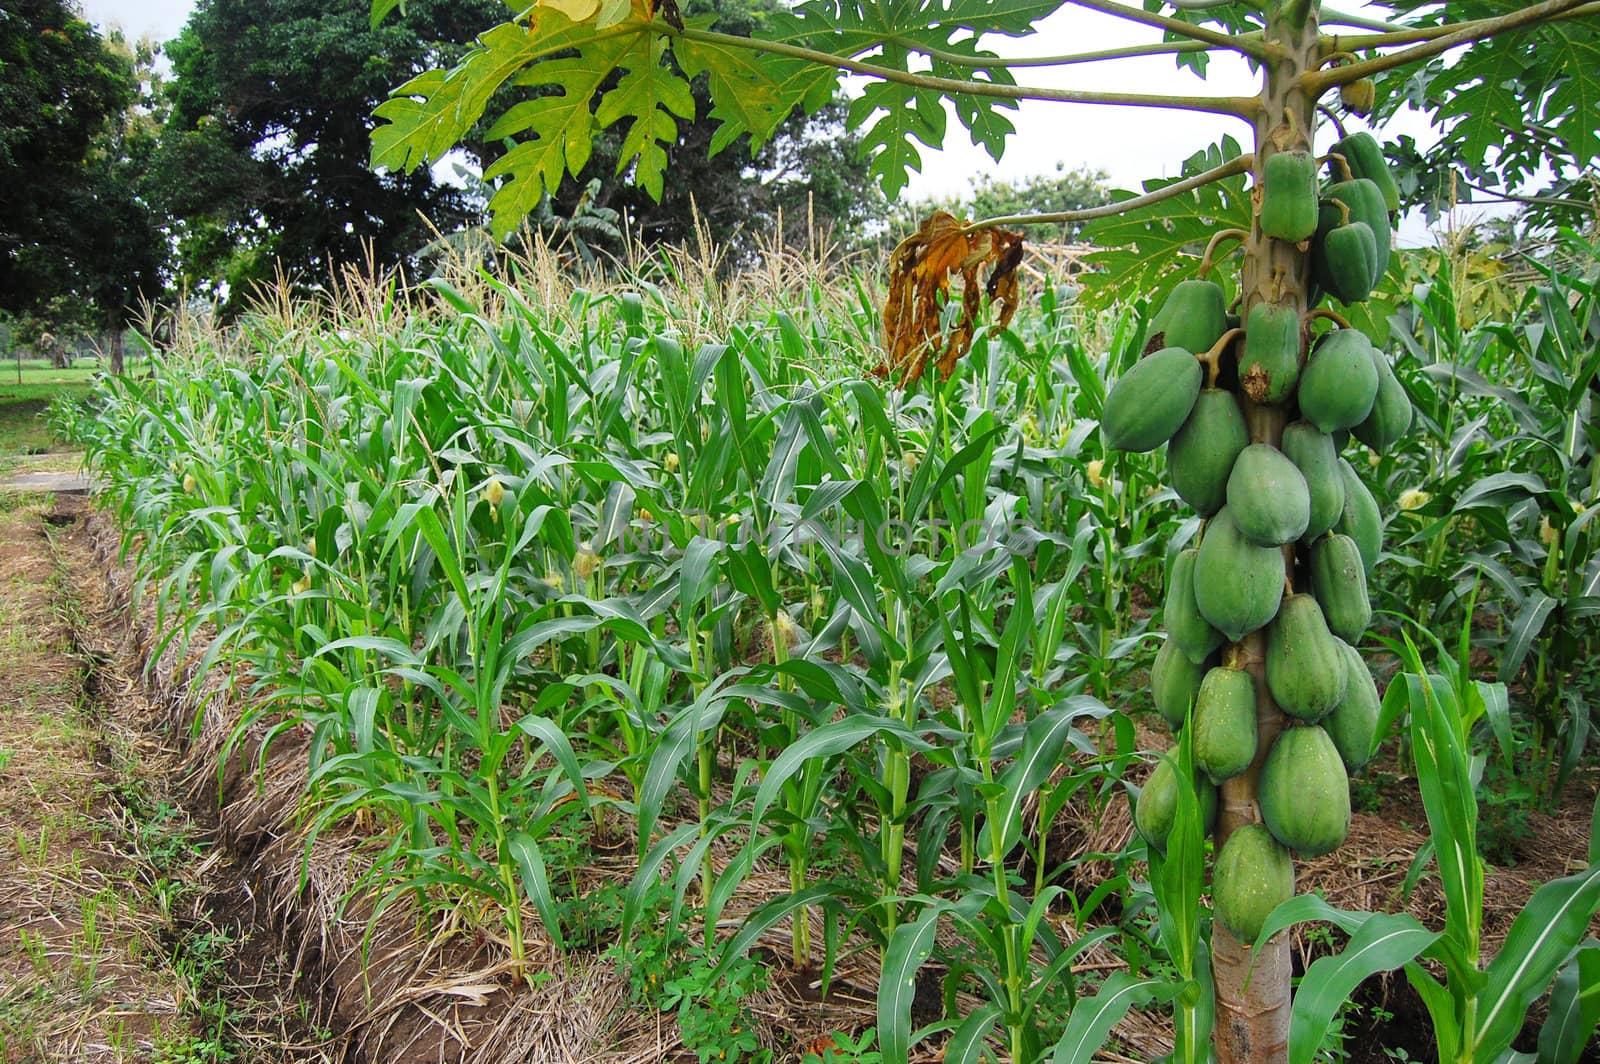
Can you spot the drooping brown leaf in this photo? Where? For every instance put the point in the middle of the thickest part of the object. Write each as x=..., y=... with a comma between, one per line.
x=922, y=271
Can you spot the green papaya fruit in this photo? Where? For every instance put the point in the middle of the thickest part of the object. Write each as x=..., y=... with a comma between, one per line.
x=1156, y=809
x=1252, y=876
x=1305, y=672
x=1339, y=582
x=1201, y=455
x=1192, y=633
x=1344, y=255
x=1225, y=723
x=1174, y=683
x=1391, y=414
x=1151, y=402
x=1237, y=585
x=1314, y=454
x=1270, y=365
x=1354, y=721
x=1268, y=497
x=1340, y=383
x=1360, y=519
x=1365, y=200
x=1289, y=195
x=1304, y=792
x=1194, y=317
x=1364, y=156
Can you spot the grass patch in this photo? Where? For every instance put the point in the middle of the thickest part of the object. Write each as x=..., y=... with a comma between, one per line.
x=24, y=415
x=36, y=372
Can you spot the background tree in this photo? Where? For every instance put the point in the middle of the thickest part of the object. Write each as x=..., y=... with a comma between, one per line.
x=76, y=228
x=264, y=159
x=126, y=254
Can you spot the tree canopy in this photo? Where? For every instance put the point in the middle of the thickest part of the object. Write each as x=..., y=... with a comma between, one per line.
x=1507, y=116
x=78, y=238
x=265, y=156
x=619, y=67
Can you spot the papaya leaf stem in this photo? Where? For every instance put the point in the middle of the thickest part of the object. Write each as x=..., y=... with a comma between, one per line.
x=1257, y=48
x=1243, y=107
x=1213, y=358
x=1237, y=165
x=1319, y=81
x=1331, y=315
x=1412, y=34
x=1070, y=59
x=1338, y=159
x=1206, y=260
x=1330, y=17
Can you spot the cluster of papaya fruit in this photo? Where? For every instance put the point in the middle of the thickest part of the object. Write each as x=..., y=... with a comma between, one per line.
x=1290, y=532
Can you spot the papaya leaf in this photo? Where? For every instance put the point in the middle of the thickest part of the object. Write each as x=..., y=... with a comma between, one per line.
x=424, y=118
x=382, y=8
x=1150, y=249
x=562, y=127
x=1506, y=107
x=909, y=115
x=898, y=36
x=753, y=92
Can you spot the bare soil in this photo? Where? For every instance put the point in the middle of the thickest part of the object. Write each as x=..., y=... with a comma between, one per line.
x=126, y=934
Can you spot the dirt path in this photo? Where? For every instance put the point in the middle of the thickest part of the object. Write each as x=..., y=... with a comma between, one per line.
x=124, y=935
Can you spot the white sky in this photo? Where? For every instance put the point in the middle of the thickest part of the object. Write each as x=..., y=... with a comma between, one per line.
x=1130, y=143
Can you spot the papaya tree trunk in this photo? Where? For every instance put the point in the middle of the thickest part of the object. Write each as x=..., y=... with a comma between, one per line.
x=1253, y=1022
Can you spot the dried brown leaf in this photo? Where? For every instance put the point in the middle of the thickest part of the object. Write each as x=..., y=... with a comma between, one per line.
x=922, y=271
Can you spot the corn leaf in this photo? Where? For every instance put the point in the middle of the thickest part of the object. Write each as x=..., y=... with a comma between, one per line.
x=1090, y=1022
x=1541, y=939
x=910, y=945
x=1385, y=941
x=536, y=882
x=1574, y=1007
x=1447, y=795
x=1042, y=743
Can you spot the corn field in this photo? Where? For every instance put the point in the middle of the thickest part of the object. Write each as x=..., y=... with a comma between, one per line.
x=546, y=570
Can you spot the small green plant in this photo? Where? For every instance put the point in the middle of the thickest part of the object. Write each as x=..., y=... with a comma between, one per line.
x=187, y=1048
x=1505, y=800
x=839, y=1048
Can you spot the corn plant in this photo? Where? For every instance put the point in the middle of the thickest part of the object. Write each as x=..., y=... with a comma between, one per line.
x=1477, y=1009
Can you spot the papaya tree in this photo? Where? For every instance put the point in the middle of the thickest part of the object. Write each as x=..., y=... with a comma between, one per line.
x=1255, y=379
